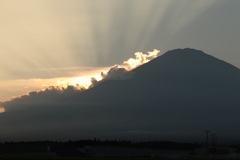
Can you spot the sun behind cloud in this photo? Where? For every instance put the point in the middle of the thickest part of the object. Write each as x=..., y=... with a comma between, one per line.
x=82, y=80
x=86, y=81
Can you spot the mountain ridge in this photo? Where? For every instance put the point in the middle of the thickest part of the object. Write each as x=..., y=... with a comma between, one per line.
x=178, y=61
x=167, y=98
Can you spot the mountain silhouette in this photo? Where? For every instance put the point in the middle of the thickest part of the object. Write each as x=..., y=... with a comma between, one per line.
x=176, y=96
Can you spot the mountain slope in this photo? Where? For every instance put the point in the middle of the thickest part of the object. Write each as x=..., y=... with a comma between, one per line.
x=175, y=96
x=178, y=74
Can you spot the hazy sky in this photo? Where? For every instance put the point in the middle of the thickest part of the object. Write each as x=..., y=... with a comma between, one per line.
x=43, y=41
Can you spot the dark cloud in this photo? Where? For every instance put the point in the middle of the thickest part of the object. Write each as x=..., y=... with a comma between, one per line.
x=115, y=72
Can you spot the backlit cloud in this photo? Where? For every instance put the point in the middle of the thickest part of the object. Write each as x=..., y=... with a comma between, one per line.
x=69, y=86
x=114, y=72
x=140, y=59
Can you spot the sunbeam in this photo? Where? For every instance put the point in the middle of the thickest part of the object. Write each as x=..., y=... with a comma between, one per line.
x=42, y=39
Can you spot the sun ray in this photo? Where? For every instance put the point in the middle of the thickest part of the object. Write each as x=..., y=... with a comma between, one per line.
x=41, y=35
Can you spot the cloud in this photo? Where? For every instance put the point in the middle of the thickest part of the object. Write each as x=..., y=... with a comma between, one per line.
x=116, y=72
x=140, y=59
x=136, y=108
x=65, y=108
x=121, y=72
x=65, y=89
x=69, y=106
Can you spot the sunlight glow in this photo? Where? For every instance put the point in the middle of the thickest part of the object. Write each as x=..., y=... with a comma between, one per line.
x=86, y=81
x=79, y=78
x=2, y=110
x=83, y=81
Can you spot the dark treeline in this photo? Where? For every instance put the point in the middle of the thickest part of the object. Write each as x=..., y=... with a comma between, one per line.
x=97, y=147
x=54, y=145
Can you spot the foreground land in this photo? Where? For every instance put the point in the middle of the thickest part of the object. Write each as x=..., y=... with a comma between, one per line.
x=114, y=150
x=109, y=158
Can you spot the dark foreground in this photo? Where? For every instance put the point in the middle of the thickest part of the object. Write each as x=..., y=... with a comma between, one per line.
x=110, y=158
x=115, y=150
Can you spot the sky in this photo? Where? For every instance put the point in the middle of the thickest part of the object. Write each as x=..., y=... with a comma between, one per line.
x=49, y=42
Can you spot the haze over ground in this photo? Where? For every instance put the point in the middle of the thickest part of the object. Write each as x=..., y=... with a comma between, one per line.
x=43, y=42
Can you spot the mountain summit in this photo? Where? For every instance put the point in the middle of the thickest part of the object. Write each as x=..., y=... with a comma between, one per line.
x=188, y=63
x=176, y=96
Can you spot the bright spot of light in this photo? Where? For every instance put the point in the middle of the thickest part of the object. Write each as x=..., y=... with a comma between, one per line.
x=2, y=109
x=82, y=81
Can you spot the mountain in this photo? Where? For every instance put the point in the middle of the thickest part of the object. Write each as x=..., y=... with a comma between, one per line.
x=176, y=96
